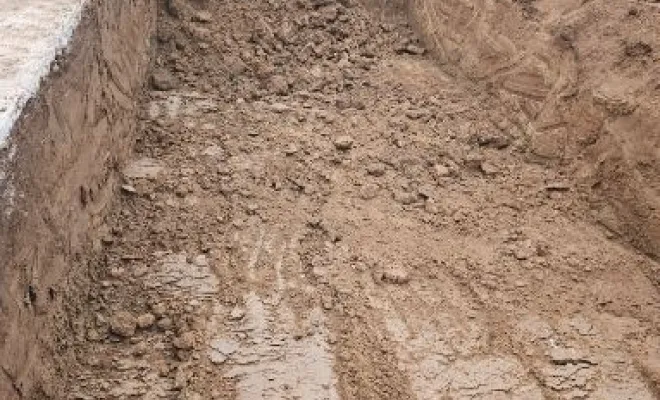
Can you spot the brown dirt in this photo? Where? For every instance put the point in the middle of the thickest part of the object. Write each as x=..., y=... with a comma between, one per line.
x=324, y=205
x=585, y=75
x=57, y=186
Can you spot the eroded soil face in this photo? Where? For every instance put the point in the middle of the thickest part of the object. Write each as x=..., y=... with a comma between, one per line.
x=316, y=211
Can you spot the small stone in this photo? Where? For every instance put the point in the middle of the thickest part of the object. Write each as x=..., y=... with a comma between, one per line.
x=164, y=323
x=441, y=171
x=202, y=16
x=405, y=198
x=494, y=140
x=116, y=272
x=224, y=348
x=201, y=260
x=123, y=324
x=140, y=349
x=414, y=49
x=344, y=143
x=128, y=189
x=279, y=108
x=582, y=326
x=488, y=168
x=426, y=192
x=369, y=191
x=159, y=309
x=163, y=81
x=237, y=314
x=181, y=378
x=145, y=321
x=376, y=169
x=524, y=250
x=279, y=85
x=93, y=335
x=217, y=358
x=558, y=187
x=565, y=356
x=327, y=302
x=291, y=149
x=184, y=342
x=416, y=114
x=396, y=274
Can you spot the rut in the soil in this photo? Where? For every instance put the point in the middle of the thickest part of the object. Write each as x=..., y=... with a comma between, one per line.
x=316, y=211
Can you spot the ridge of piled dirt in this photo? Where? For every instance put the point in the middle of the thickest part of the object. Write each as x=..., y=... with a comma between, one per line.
x=315, y=210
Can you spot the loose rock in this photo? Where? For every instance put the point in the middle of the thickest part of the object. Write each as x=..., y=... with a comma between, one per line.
x=163, y=81
x=395, y=274
x=185, y=342
x=376, y=169
x=344, y=143
x=145, y=321
x=123, y=324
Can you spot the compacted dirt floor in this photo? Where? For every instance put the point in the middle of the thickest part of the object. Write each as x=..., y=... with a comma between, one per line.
x=316, y=211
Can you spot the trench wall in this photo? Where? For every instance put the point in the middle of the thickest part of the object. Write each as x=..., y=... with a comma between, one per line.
x=586, y=75
x=58, y=174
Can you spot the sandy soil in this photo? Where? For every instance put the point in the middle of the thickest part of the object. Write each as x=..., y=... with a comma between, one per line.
x=586, y=77
x=317, y=210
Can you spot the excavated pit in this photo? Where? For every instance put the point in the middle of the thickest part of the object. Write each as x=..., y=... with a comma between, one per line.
x=215, y=199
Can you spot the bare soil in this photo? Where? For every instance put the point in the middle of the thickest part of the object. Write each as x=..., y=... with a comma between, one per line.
x=318, y=209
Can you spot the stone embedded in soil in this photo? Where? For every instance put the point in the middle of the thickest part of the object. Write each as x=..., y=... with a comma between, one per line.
x=344, y=143
x=426, y=191
x=123, y=324
x=291, y=149
x=129, y=189
x=159, y=309
x=327, y=302
x=184, y=342
x=144, y=168
x=145, y=321
x=441, y=171
x=279, y=85
x=416, y=114
x=524, y=250
x=488, y=168
x=376, y=169
x=93, y=335
x=237, y=314
x=164, y=323
x=414, y=49
x=396, y=275
x=493, y=139
x=174, y=8
x=140, y=349
x=369, y=191
x=163, y=81
x=203, y=17
x=280, y=108
x=116, y=272
x=564, y=356
x=405, y=198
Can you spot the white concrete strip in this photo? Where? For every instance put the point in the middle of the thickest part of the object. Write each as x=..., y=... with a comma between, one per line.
x=32, y=33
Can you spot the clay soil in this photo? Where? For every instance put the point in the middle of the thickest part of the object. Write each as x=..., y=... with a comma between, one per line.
x=316, y=209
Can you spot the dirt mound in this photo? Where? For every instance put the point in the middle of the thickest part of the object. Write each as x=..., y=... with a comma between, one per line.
x=586, y=76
